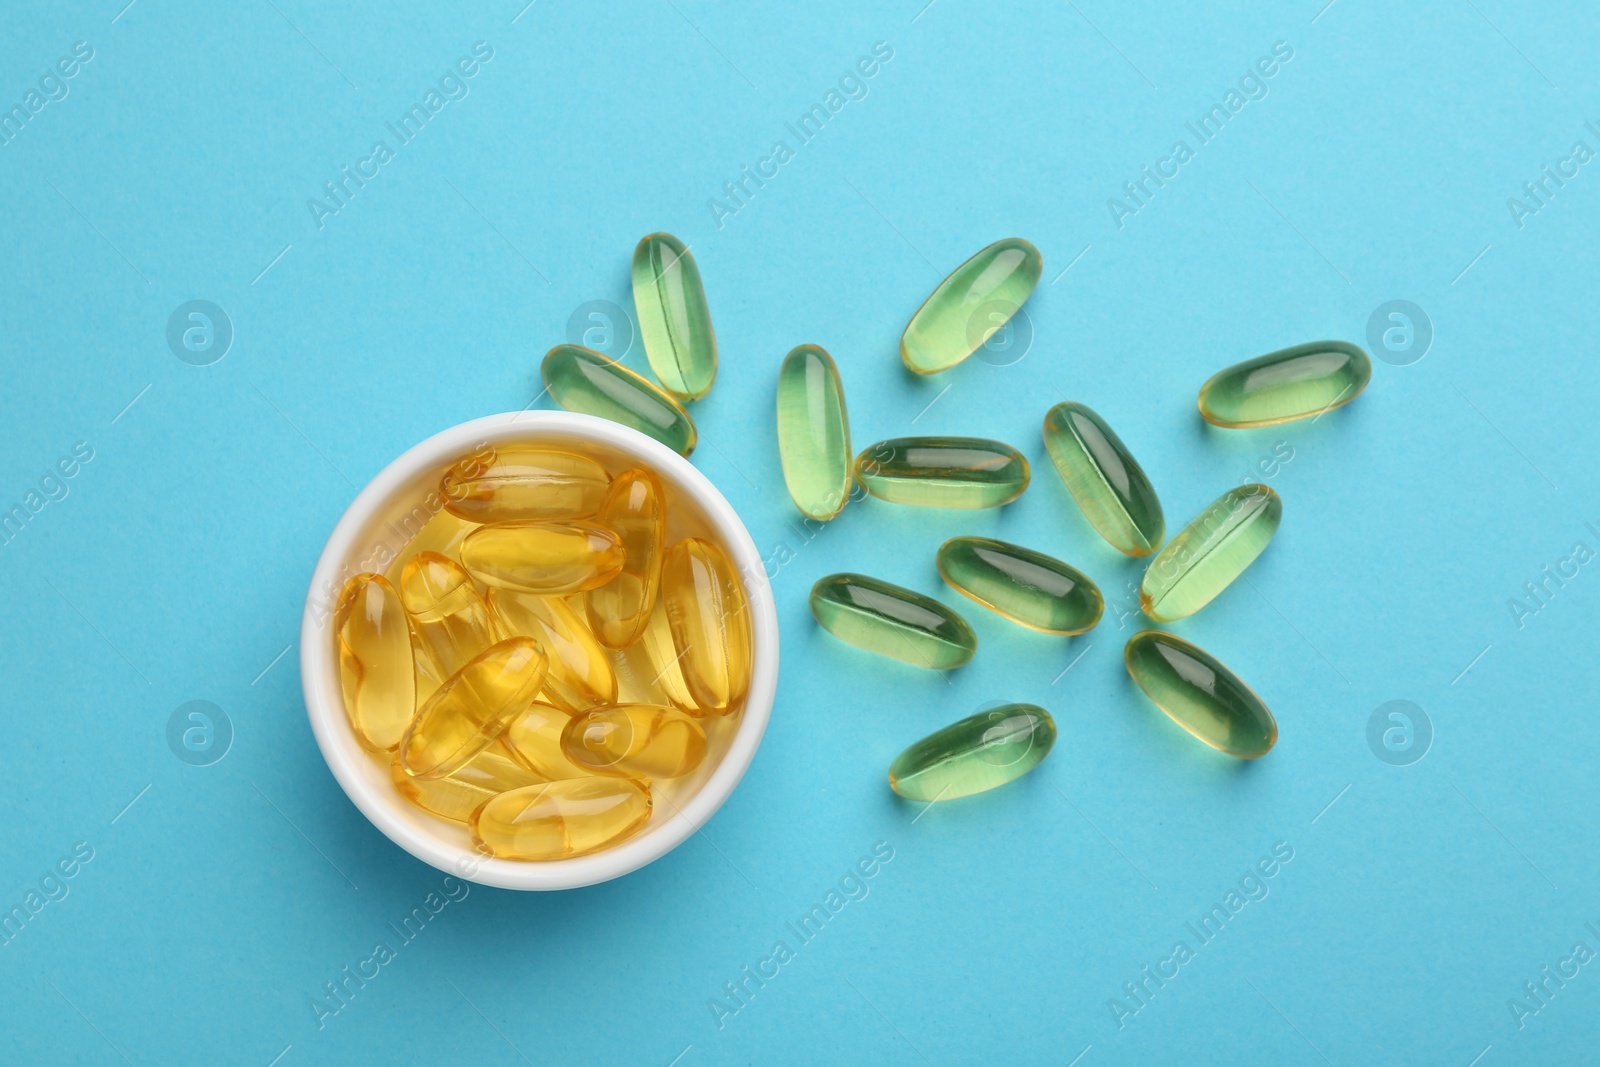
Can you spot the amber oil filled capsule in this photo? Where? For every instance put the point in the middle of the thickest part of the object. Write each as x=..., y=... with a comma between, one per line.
x=449, y=616
x=635, y=510
x=1201, y=695
x=578, y=674
x=662, y=666
x=543, y=558
x=710, y=620
x=533, y=738
x=978, y=753
x=813, y=432
x=1027, y=587
x=376, y=673
x=559, y=820
x=1103, y=477
x=943, y=472
x=1206, y=556
x=527, y=485
x=978, y=297
x=892, y=621
x=1292, y=383
x=674, y=321
x=581, y=379
x=472, y=708
x=455, y=796
x=635, y=741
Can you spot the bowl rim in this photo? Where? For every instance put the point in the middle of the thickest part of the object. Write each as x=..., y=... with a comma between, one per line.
x=325, y=703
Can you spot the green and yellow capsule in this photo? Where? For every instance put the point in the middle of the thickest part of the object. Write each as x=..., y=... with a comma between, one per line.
x=1027, y=587
x=978, y=753
x=813, y=432
x=1206, y=556
x=674, y=322
x=943, y=472
x=1291, y=383
x=978, y=298
x=1199, y=694
x=582, y=380
x=892, y=621
x=1104, y=478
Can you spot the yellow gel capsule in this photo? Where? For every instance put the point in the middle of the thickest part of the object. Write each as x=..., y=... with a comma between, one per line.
x=892, y=621
x=447, y=612
x=1206, y=556
x=456, y=796
x=813, y=432
x=674, y=322
x=635, y=741
x=534, y=740
x=544, y=558
x=1292, y=383
x=1104, y=478
x=578, y=672
x=943, y=472
x=978, y=298
x=636, y=511
x=376, y=672
x=1201, y=695
x=559, y=820
x=527, y=485
x=663, y=664
x=710, y=621
x=472, y=708
x=582, y=380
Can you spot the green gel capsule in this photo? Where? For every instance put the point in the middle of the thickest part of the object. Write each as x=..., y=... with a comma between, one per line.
x=892, y=621
x=674, y=322
x=978, y=753
x=1104, y=478
x=582, y=380
x=978, y=298
x=813, y=432
x=1199, y=694
x=1206, y=556
x=1291, y=383
x=1025, y=586
x=943, y=472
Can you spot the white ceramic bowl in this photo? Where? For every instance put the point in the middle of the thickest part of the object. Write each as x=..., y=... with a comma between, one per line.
x=373, y=523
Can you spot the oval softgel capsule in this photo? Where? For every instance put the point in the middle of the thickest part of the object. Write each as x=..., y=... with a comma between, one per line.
x=582, y=380
x=978, y=297
x=892, y=621
x=981, y=752
x=1291, y=383
x=1206, y=556
x=1027, y=587
x=1198, y=693
x=943, y=472
x=674, y=321
x=1108, y=484
x=813, y=432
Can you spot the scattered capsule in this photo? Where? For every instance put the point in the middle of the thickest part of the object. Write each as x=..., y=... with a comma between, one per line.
x=376, y=672
x=636, y=511
x=451, y=620
x=472, y=708
x=665, y=666
x=455, y=796
x=1206, y=556
x=978, y=298
x=1104, y=478
x=635, y=741
x=978, y=753
x=558, y=820
x=813, y=432
x=578, y=674
x=710, y=620
x=1200, y=694
x=581, y=379
x=674, y=322
x=1025, y=586
x=527, y=485
x=943, y=472
x=544, y=558
x=1291, y=383
x=533, y=738
x=892, y=621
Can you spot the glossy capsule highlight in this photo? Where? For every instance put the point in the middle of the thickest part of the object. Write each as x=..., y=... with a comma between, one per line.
x=978, y=298
x=979, y=753
x=943, y=472
x=635, y=741
x=1206, y=556
x=1201, y=695
x=1027, y=587
x=892, y=621
x=527, y=485
x=710, y=621
x=533, y=739
x=663, y=664
x=813, y=432
x=447, y=612
x=581, y=379
x=578, y=671
x=559, y=820
x=472, y=708
x=674, y=322
x=455, y=796
x=376, y=672
x=544, y=558
x=635, y=509
x=1107, y=483
x=1291, y=383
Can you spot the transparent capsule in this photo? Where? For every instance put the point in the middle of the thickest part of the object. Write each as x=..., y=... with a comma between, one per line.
x=533, y=738
x=1104, y=478
x=472, y=708
x=449, y=616
x=943, y=472
x=892, y=621
x=375, y=661
x=581, y=379
x=635, y=741
x=978, y=753
x=1027, y=587
x=710, y=620
x=527, y=485
x=559, y=820
x=674, y=322
x=636, y=511
x=663, y=667
x=578, y=673
x=1292, y=383
x=978, y=298
x=543, y=558
x=1206, y=556
x=455, y=796
x=1201, y=695
x=813, y=432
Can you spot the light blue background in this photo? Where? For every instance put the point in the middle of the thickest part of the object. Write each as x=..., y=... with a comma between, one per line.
x=1378, y=167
